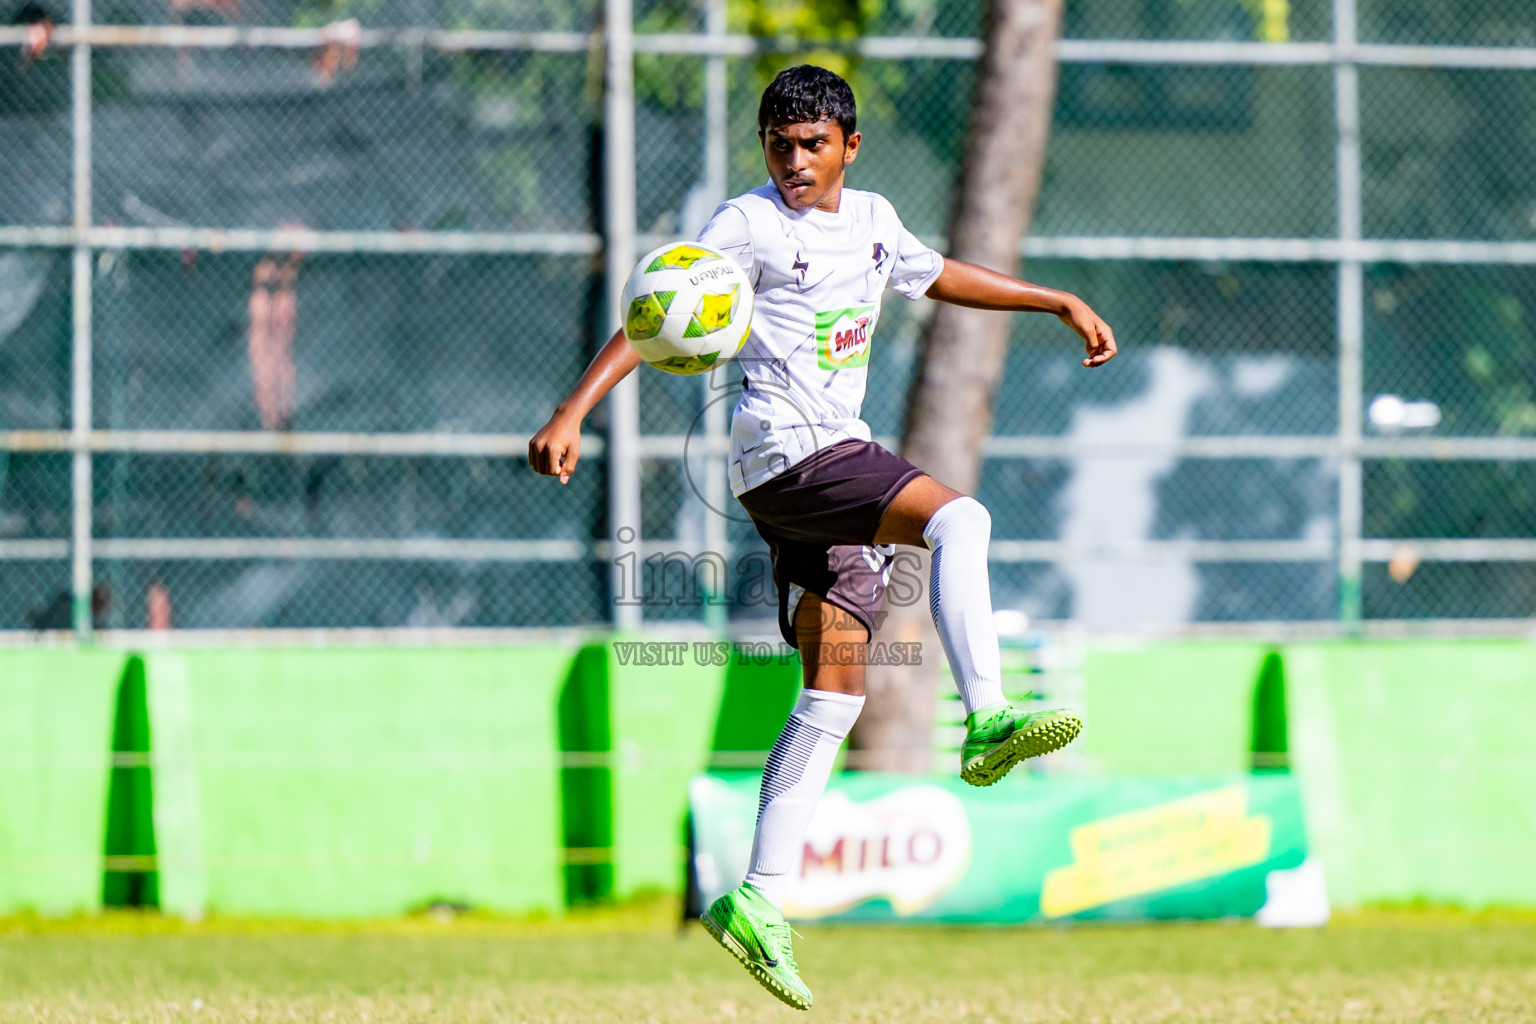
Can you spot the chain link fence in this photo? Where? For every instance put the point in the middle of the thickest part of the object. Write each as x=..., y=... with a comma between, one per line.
x=285, y=286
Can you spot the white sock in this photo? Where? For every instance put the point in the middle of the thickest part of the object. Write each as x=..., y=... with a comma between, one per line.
x=793, y=780
x=960, y=598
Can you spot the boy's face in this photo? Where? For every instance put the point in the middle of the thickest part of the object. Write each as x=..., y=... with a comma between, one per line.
x=806, y=160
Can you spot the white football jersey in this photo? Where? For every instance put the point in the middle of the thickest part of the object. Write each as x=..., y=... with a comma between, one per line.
x=818, y=279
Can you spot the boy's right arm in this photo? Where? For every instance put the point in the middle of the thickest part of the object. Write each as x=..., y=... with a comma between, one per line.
x=555, y=449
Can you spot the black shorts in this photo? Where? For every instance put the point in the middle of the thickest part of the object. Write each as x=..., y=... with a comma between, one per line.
x=819, y=518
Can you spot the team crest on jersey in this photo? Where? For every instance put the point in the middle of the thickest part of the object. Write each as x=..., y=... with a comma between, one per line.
x=843, y=335
x=800, y=266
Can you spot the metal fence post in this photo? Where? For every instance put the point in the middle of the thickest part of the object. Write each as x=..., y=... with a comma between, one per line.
x=625, y=570
x=80, y=311
x=1351, y=310
x=716, y=536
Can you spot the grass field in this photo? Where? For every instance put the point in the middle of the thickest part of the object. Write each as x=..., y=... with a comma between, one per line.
x=633, y=965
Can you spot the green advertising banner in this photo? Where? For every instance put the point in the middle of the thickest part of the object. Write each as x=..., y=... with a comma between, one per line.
x=1035, y=849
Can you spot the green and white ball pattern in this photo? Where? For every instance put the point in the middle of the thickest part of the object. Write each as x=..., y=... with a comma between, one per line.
x=686, y=307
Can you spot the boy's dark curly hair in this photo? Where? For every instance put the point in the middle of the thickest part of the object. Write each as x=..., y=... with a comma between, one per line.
x=808, y=93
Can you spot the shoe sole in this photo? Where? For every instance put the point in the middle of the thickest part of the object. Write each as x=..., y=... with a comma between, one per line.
x=757, y=970
x=1042, y=737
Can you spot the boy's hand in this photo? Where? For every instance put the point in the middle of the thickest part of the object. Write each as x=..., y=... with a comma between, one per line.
x=1099, y=339
x=556, y=448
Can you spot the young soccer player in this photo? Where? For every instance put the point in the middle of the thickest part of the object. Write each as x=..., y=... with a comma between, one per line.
x=828, y=500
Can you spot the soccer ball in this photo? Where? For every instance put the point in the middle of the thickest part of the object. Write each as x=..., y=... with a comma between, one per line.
x=686, y=307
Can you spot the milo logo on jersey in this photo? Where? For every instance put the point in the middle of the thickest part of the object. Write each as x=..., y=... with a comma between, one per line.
x=842, y=337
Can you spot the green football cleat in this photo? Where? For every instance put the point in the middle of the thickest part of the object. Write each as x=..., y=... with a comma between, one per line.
x=755, y=933
x=1003, y=738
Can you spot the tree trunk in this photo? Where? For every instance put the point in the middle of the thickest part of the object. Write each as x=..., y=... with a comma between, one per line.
x=949, y=408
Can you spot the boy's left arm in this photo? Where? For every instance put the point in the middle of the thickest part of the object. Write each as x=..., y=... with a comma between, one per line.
x=965, y=284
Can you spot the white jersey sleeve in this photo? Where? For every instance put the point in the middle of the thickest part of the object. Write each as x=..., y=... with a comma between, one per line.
x=916, y=267
x=729, y=231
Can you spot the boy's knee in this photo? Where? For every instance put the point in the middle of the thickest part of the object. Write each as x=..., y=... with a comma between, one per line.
x=831, y=711
x=965, y=517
